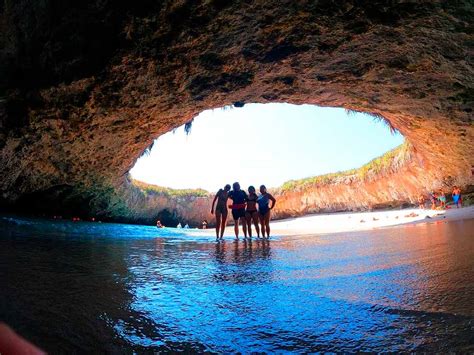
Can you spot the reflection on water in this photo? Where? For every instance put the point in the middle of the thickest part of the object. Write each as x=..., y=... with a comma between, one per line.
x=91, y=287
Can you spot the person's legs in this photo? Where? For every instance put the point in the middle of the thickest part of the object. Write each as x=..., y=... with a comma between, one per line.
x=262, y=223
x=244, y=225
x=456, y=199
x=255, y=222
x=267, y=223
x=236, y=228
x=235, y=216
x=218, y=223
x=223, y=223
x=248, y=220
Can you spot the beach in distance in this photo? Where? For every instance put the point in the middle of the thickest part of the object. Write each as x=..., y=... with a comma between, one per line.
x=358, y=221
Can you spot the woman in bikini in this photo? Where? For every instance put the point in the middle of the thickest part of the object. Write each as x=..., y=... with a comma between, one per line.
x=442, y=199
x=264, y=208
x=251, y=213
x=221, y=210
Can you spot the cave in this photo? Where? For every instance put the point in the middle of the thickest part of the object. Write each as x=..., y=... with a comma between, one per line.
x=87, y=86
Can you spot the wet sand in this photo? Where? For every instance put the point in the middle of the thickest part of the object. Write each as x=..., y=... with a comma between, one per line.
x=357, y=221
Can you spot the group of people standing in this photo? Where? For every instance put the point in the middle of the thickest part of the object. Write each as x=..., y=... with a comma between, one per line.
x=246, y=208
x=438, y=199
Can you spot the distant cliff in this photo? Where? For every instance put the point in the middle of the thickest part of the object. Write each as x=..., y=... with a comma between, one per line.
x=391, y=180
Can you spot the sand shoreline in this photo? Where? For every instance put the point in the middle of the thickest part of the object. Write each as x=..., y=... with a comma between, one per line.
x=360, y=221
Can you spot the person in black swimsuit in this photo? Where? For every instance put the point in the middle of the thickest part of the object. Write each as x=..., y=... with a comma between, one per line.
x=239, y=199
x=221, y=210
x=264, y=208
x=251, y=212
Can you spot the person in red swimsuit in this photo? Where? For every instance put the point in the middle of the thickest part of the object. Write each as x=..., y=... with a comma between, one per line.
x=239, y=199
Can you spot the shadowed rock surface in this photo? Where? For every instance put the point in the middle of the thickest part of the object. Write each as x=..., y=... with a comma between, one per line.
x=86, y=86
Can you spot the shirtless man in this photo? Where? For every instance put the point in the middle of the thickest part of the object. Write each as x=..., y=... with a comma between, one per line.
x=457, y=197
x=221, y=210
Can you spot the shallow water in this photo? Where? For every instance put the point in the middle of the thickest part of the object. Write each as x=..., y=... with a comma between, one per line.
x=89, y=287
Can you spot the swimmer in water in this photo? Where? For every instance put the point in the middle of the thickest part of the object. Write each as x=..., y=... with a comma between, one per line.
x=264, y=209
x=221, y=210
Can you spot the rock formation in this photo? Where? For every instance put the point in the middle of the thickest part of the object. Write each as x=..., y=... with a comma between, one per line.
x=86, y=86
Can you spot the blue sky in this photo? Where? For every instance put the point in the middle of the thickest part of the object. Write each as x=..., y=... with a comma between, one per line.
x=263, y=144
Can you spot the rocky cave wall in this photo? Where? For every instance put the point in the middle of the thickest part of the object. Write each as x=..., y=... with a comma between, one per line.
x=86, y=86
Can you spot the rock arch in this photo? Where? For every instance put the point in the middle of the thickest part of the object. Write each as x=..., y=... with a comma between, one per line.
x=86, y=86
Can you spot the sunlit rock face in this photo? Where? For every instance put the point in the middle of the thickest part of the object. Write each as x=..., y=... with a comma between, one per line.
x=85, y=86
x=393, y=180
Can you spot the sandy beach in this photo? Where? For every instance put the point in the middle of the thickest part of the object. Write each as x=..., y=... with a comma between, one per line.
x=357, y=221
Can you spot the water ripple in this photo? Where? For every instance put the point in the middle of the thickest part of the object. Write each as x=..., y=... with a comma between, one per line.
x=84, y=287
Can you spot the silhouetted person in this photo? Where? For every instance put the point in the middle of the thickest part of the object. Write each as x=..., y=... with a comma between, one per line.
x=251, y=213
x=239, y=198
x=264, y=209
x=221, y=210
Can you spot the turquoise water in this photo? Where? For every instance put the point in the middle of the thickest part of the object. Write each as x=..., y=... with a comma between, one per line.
x=90, y=287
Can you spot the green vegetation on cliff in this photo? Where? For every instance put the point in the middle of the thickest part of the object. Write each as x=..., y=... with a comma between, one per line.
x=168, y=192
x=383, y=165
x=139, y=202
